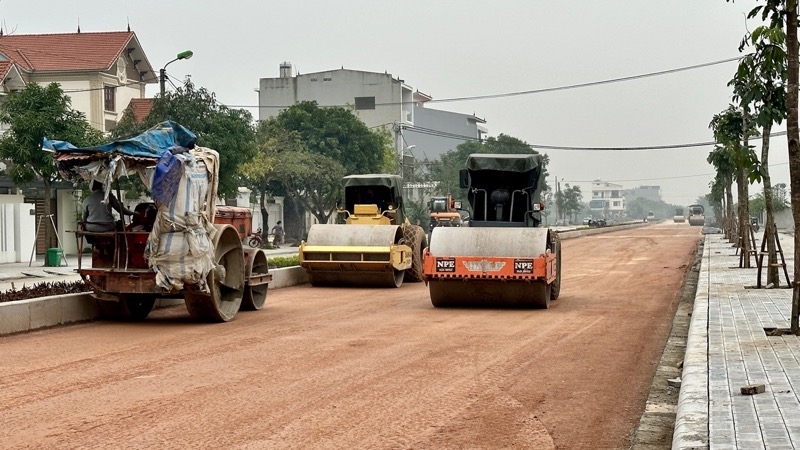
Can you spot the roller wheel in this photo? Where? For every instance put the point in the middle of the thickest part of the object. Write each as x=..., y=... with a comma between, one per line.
x=489, y=294
x=415, y=238
x=555, y=286
x=255, y=296
x=226, y=281
x=129, y=307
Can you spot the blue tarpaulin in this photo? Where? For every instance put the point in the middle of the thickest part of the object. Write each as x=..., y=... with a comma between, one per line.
x=151, y=143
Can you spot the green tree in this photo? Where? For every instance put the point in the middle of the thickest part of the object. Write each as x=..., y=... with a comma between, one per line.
x=760, y=82
x=313, y=181
x=733, y=156
x=259, y=172
x=336, y=133
x=229, y=131
x=780, y=14
x=570, y=202
x=34, y=113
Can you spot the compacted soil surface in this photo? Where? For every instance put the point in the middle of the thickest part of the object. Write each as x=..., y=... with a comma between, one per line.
x=365, y=368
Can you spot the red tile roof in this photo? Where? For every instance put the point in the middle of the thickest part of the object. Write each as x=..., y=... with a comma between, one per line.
x=140, y=108
x=4, y=68
x=66, y=51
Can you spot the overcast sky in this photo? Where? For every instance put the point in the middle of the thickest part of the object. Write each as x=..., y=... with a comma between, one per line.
x=463, y=48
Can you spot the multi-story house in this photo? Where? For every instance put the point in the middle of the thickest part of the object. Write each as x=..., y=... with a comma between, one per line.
x=101, y=73
x=607, y=200
x=652, y=193
x=379, y=100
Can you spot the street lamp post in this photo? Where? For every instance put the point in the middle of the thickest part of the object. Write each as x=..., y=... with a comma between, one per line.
x=163, y=73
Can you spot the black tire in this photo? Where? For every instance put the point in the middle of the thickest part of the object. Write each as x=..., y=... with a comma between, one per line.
x=555, y=286
x=415, y=238
x=254, y=242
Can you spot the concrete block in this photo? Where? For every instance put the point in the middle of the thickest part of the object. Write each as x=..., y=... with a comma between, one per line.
x=287, y=276
x=45, y=313
x=753, y=389
x=674, y=382
x=78, y=307
x=167, y=302
x=14, y=317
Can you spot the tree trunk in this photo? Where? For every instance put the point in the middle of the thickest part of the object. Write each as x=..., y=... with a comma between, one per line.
x=773, y=276
x=744, y=220
x=264, y=216
x=729, y=222
x=793, y=136
x=45, y=221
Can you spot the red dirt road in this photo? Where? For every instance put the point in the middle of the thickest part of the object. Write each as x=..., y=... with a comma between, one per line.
x=364, y=368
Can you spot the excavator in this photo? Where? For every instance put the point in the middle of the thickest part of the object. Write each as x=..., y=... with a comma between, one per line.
x=373, y=245
x=444, y=212
x=503, y=257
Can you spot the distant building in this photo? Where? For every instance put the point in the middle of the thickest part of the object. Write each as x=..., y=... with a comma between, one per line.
x=607, y=200
x=379, y=100
x=435, y=132
x=652, y=193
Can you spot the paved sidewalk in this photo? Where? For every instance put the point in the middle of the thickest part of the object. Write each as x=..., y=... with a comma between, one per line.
x=15, y=275
x=728, y=348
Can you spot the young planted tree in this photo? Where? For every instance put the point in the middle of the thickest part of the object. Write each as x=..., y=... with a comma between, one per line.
x=778, y=14
x=34, y=113
x=731, y=129
x=760, y=81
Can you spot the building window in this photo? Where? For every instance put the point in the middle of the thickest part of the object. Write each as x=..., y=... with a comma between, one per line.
x=616, y=204
x=110, y=97
x=365, y=103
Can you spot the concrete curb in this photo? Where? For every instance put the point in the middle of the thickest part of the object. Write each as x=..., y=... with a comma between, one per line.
x=590, y=231
x=691, y=419
x=35, y=313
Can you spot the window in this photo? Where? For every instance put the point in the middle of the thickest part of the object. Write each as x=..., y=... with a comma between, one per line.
x=616, y=204
x=365, y=103
x=110, y=97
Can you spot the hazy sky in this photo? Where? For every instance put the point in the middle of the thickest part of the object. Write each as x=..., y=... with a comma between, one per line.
x=463, y=48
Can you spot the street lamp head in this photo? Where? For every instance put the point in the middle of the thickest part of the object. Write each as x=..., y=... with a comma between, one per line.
x=186, y=54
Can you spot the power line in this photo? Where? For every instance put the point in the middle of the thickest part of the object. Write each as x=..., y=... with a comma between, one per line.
x=661, y=178
x=537, y=91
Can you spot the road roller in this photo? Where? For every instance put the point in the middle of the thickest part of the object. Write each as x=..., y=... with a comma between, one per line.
x=373, y=243
x=502, y=257
x=180, y=245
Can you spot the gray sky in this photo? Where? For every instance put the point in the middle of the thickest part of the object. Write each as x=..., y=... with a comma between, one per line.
x=465, y=48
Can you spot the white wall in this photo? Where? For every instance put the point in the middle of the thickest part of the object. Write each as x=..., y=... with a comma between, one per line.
x=17, y=229
x=68, y=209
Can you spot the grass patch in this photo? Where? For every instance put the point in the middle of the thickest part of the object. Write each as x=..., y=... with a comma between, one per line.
x=276, y=262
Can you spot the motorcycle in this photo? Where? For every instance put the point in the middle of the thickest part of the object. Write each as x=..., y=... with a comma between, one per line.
x=255, y=240
x=754, y=224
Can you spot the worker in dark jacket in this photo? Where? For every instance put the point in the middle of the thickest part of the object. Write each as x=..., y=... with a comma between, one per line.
x=97, y=215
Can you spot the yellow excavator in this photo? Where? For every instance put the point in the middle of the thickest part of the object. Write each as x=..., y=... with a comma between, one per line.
x=503, y=257
x=373, y=245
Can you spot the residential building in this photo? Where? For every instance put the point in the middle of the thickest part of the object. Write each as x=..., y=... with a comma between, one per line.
x=607, y=200
x=379, y=100
x=101, y=72
x=435, y=132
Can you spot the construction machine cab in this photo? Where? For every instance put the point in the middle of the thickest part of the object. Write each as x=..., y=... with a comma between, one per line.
x=372, y=200
x=504, y=190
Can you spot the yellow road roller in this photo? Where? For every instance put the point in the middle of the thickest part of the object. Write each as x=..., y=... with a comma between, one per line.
x=502, y=257
x=373, y=245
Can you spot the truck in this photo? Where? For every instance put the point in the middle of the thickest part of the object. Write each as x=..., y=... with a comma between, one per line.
x=504, y=257
x=374, y=244
x=180, y=245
